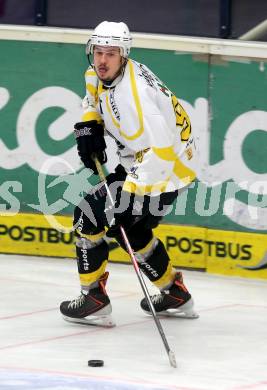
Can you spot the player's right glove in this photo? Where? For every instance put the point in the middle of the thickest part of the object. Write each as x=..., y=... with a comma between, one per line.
x=90, y=140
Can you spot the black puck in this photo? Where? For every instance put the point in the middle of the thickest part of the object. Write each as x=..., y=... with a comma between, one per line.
x=96, y=363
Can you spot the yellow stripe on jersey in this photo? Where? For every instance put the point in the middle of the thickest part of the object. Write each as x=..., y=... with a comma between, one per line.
x=92, y=90
x=143, y=190
x=90, y=72
x=91, y=116
x=95, y=91
x=138, y=107
x=87, y=279
x=166, y=154
x=185, y=174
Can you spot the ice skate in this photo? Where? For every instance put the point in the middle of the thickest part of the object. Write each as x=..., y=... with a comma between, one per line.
x=93, y=308
x=175, y=302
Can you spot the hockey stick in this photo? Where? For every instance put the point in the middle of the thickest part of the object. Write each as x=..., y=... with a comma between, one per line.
x=170, y=353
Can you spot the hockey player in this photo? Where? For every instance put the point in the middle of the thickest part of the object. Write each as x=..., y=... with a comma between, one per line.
x=126, y=101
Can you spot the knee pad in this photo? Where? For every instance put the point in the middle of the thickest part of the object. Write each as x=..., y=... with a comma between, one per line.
x=138, y=237
x=83, y=225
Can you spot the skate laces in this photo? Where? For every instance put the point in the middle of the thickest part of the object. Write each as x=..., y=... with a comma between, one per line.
x=77, y=302
x=158, y=298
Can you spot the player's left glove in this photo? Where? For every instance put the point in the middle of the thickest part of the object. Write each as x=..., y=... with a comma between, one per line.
x=90, y=140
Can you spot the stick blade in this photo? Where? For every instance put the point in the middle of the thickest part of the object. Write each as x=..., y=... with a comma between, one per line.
x=172, y=359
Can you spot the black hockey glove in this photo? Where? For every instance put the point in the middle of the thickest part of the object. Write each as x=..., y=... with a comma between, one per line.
x=90, y=139
x=126, y=218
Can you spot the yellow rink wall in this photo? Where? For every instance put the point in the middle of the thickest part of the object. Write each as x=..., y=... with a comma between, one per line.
x=215, y=251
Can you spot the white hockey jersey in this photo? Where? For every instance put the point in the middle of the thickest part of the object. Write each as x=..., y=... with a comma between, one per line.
x=151, y=128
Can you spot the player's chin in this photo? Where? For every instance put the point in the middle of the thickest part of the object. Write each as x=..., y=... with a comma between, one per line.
x=105, y=79
x=103, y=75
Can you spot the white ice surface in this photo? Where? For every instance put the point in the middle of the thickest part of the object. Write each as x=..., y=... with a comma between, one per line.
x=226, y=348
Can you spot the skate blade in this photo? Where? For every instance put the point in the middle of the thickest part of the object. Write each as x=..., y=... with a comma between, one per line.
x=172, y=359
x=179, y=314
x=102, y=321
x=184, y=311
x=174, y=313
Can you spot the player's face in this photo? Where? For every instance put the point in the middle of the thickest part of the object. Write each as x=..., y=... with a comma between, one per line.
x=107, y=62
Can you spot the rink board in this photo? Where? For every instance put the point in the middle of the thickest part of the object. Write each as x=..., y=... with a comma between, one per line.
x=215, y=251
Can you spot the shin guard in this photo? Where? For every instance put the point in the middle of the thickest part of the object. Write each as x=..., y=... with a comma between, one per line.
x=156, y=265
x=91, y=262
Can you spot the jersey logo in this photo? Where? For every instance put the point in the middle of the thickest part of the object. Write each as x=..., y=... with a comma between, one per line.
x=148, y=76
x=113, y=104
x=140, y=155
x=132, y=172
x=182, y=119
x=164, y=89
x=189, y=153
